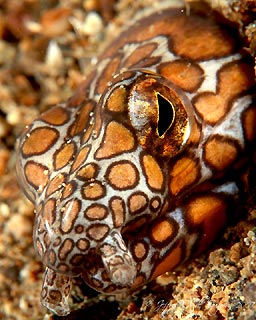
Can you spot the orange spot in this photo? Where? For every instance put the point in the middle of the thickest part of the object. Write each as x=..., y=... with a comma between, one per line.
x=96, y=212
x=162, y=231
x=88, y=133
x=117, y=207
x=68, y=190
x=209, y=211
x=122, y=175
x=52, y=257
x=153, y=172
x=249, y=123
x=184, y=173
x=82, y=244
x=140, y=251
x=188, y=34
x=81, y=93
x=49, y=213
x=219, y=154
x=138, y=282
x=39, y=248
x=140, y=54
x=234, y=79
x=94, y=190
x=62, y=268
x=47, y=239
x=37, y=175
x=66, y=248
x=39, y=141
x=55, y=184
x=172, y=259
x=117, y=101
x=183, y=74
x=56, y=116
x=137, y=202
x=97, y=232
x=63, y=155
x=117, y=139
x=108, y=73
x=87, y=172
x=155, y=203
x=82, y=119
x=70, y=214
x=80, y=158
x=135, y=225
x=195, y=135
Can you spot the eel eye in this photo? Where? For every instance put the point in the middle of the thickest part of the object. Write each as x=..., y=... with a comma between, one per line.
x=161, y=115
x=166, y=114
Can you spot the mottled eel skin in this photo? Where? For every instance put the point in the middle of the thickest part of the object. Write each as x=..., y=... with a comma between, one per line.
x=137, y=170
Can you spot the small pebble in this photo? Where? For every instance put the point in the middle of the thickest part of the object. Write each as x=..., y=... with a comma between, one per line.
x=90, y=26
x=19, y=227
x=55, y=21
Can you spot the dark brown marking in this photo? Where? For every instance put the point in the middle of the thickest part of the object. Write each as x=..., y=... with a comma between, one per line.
x=55, y=296
x=79, y=229
x=76, y=260
x=155, y=203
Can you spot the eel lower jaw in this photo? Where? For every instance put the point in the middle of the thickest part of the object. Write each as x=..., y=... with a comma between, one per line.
x=123, y=275
x=118, y=260
x=55, y=292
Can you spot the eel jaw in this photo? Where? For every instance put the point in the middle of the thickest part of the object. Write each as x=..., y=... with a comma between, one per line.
x=55, y=292
x=118, y=260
